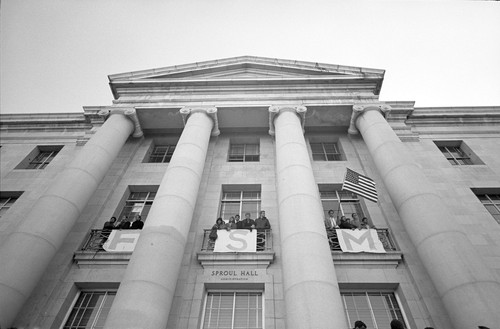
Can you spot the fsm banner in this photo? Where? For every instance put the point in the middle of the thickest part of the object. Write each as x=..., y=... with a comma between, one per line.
x=360, y=241
x=236, y=241
x=122, y=240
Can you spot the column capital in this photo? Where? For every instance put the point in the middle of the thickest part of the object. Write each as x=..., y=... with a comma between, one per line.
x=129, y=113
x=358, y=109
x=211, y=111
x=275, y=110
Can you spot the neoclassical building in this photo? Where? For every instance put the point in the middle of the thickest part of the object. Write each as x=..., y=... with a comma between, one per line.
x=181, y=146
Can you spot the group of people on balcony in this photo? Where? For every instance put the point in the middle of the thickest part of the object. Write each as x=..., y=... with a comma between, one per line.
x=346, y=223
x=123, y=224
x=260, y=224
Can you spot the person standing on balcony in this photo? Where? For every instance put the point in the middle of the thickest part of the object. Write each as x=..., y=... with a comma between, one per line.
x=237, y=221
x=232, y=224
x=109, y=225
x=396, y=324
x=359, y=325
x=248, y=223
x=330, y=222
x=355, y=220
x=107, y=228
x=124, y=224
x=345, y=223
x=138, y=224
x=262, y=224
x=364, y=224
x=219, y=225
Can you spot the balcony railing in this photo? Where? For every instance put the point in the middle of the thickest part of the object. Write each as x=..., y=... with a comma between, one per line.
x=97, y=237
x=95, y=240
x=383, y=235
x=264, y=241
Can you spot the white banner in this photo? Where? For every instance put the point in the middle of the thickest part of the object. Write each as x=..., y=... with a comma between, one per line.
x=122, y=240
x=236, y=241
x=360, y=241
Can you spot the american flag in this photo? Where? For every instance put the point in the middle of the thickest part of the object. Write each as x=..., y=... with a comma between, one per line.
x=359, y=184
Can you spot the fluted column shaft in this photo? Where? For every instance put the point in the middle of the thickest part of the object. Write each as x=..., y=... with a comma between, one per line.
x=26, y=253
x=312, y=295
x=147, y=290
x=465, y=284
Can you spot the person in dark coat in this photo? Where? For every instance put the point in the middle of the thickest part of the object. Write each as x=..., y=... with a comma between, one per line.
x=247, y=223
x=124, y=224
x=138, y=224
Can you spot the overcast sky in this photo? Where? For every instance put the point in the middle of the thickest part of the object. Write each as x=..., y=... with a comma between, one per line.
x=56, y=54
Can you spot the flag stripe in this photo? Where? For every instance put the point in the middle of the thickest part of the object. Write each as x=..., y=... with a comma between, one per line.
x=361, y=185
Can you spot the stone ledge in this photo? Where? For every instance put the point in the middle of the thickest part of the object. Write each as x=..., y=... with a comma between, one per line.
x=389, y=259
x=261, y=259
x=86, y=259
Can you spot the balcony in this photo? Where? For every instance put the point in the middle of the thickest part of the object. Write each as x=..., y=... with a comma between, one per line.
x=391, y=258
x=262, y=258
x=92, y=254
x=383, y=235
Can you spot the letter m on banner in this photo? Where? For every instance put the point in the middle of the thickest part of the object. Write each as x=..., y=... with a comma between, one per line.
x=360, y=241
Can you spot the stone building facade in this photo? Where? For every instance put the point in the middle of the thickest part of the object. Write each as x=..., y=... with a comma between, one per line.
x=183, y=145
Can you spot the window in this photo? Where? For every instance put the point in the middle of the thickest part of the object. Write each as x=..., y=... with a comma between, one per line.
x=138, y=203
x=457, y=153
x=492, y=203
x=349, y=202
x=376, y=309
x=238, y=200
x=161, y=153
x=7, y=199
x=243, y=152
x=325, y=152
x=231, y=309
x=90, y=310
x=40, y=157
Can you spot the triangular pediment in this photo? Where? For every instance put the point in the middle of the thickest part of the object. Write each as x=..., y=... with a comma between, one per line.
x=247, y=68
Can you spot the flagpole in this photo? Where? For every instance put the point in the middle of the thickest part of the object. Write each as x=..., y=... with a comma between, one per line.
x=340, y=196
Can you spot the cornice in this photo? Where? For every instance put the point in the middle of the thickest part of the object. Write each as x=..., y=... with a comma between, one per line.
x=225, y=73
x=247, y=60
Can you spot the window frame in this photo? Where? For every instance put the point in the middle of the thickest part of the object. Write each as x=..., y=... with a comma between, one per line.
x=494, y=202
x=165, y=157
x=358, y=205
x=130, y=202
x=245, y=156
x=75, y=301
x=325, y=154
x=235, y=292
x=404, y=318
x=241, y=189
x=33, y=162
x=457, y=153
x=8, y=196
x=119, y=210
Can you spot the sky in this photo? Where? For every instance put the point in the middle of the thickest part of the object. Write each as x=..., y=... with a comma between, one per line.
x=56, y=54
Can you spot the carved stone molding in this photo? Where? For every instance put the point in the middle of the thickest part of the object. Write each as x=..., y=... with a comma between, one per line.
x=275, y=110
x=359, y=109
x=210, y=111
x=129, y=113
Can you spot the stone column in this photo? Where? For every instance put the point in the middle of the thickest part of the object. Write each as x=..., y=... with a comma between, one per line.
x=467, y=287
x=27, y=252
x=146, y=292
x=312, y=295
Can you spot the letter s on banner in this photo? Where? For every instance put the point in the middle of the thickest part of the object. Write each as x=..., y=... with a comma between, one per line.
x=236, y=241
